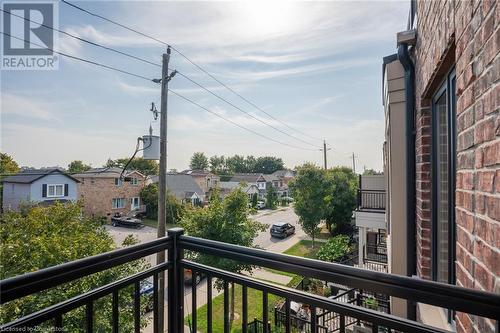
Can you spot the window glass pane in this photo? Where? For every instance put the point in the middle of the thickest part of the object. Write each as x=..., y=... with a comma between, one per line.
x=51, y=190
x=59, y=190
x=442, y=136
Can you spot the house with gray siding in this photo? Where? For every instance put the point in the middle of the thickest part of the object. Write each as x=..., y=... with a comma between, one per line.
x=38, y=186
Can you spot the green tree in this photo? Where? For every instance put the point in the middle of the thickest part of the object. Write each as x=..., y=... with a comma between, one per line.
x=369, y=172
x=217, y=164
x=268, y=164
x=146, y=167
x=309, y=190
x=340, y=200
x=225, y=221
x=198, y=161
x=48, y=236
x=271, y=197
x=175, y=209
x=335, y=249
x=7, y=164
x=78, y=166
x=255, y=199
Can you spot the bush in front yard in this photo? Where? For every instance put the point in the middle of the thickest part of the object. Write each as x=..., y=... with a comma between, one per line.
x=335, y=248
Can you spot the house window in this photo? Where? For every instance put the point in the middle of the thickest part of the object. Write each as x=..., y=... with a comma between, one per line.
x=55, y=190
x=135, y=202
x=134, y=181
x=118, y=182
x=443, y=181
x=118, y=203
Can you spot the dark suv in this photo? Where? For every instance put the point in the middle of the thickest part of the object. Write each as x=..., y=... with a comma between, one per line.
x=282, y=230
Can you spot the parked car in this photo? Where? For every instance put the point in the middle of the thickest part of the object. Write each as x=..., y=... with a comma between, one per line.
x=146, y=292
x=126, y=221
x=282, y=230
x=261, y=205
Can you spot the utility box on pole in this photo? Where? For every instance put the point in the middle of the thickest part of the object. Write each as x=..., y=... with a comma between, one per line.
x=151, y=147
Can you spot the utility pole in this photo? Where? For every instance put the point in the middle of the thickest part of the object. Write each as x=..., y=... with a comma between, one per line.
x=162, y=183
x=324, y=154
x=353, y=163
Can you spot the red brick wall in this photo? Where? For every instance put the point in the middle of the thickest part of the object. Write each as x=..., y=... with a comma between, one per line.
x=465, y=33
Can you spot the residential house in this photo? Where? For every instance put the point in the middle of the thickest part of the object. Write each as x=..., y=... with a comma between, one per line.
x=441, y=95
x=256, y=179
x=105, y=194
x=228, y=187
x=43, y=186
x=279, y=180
x=205, y=179
x=184, y=187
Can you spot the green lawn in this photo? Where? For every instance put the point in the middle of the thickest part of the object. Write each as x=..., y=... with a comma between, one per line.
x=254, y=310
x=154, y=223
x=304, y=249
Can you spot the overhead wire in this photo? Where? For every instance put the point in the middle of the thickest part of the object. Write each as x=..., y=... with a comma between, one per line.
x=190, y=61
x=158, y=65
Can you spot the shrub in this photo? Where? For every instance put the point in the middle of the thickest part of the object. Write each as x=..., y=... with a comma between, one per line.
x=335, y=248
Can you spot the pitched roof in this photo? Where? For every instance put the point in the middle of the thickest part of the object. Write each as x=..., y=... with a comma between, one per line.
x=196, y=172
x=111, y=172
x=180, y=185
x=246, y=177
x=29, y=176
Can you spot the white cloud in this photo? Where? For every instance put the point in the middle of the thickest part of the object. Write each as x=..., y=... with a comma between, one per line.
x=26, y=107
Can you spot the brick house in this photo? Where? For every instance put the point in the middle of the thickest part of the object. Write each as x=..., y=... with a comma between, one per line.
x=442, y=153
x=104, y=194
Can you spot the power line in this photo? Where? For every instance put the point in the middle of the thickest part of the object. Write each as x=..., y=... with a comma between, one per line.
x=243, y=111
x=158, y=65
x=83, y=39
x=81, y=59
x=190, y=61
x=235, y=123
x=151, y=80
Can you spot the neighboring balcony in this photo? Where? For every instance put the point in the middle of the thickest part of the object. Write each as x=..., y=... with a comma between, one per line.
x=357, y=314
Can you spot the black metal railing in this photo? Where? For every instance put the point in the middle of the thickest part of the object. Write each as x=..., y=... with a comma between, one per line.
x=377, y=253
x=456, y=298
x=371, y=200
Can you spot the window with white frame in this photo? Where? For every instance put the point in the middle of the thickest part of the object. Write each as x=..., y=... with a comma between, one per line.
x=55, y=190
x=118, y=203
x=118, y=182
x=134, y=181
x=136, y=201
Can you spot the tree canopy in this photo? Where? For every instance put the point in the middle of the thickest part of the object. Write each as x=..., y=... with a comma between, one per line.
x=198, y=161
x=223, y=165
x=225, y=221
x=59, y=234
x=175, y=209
x=7, y=164
x=146, y=167
x=78, y=166
x=341, y=187
x=309, y=191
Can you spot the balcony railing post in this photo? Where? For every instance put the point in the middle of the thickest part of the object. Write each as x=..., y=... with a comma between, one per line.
x=175, y=285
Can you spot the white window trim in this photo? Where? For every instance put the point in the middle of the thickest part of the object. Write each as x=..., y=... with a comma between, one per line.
x=118, y=182
x=118, y=200
x=134, y=181
x=55, y=192
x=138, y=202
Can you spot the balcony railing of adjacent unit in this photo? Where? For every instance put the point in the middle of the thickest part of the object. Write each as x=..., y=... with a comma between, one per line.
x=376, y=253
x=371, y=200
x=442, y=295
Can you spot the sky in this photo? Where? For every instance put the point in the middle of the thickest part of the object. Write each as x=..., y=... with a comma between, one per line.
x=317, y=66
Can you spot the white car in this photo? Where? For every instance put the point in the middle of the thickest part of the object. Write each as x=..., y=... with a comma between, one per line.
x=261, y=205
